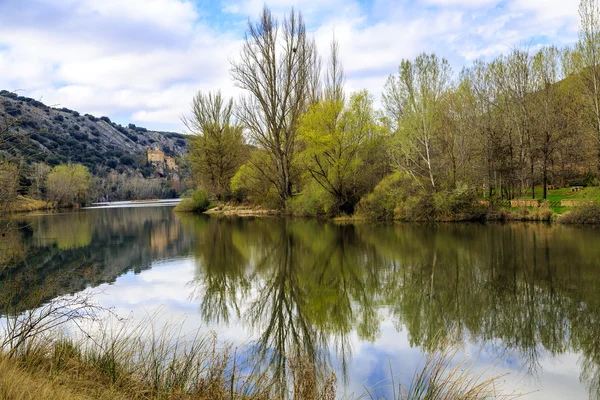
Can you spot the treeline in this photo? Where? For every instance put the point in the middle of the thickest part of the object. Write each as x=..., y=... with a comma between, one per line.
x=74, y=185
x=498, y=129
x=27, y=184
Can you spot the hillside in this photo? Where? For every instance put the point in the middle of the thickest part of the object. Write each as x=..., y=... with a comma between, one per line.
x=39, y=133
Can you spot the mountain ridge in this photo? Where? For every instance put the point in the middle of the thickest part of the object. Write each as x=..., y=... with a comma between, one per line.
x=35, y=132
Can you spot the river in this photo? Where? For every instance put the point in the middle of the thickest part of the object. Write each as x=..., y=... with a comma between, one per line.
x=522, y=299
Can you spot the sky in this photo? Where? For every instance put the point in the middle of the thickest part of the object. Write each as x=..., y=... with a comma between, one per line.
x=142, y=61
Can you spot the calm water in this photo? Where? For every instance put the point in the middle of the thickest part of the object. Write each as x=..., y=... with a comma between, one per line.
x=524, y=298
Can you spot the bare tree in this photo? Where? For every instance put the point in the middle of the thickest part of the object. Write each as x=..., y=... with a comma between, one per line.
x=276, y=68
x=335, y=78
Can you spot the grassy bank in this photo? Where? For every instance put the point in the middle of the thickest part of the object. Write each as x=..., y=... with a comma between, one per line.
x=145, y=362
x=27, y=204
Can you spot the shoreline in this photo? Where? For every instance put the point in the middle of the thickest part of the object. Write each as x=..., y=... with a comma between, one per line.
x=525, y=214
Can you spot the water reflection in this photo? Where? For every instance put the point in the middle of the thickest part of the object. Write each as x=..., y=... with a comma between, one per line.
x=65, y=253
x=525, y=292
x=522, y=291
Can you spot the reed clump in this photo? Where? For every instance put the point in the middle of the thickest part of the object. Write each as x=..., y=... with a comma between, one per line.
x=143, y=361
x=443, y=375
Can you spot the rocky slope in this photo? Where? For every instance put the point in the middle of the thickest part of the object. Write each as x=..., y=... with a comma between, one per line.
x=34, y=132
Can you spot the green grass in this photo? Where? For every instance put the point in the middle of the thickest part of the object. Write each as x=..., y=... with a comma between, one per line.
x=587, y=193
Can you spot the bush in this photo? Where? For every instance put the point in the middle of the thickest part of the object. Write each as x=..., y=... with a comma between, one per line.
x=249, y=185
x=313, y=201
x=127, y=160
x=9, y=184
x=588, y=214
x=419, y=207
x=459, y=204
x=381, y=203
x=68, y=184
x=399, y=196
x=198, y=202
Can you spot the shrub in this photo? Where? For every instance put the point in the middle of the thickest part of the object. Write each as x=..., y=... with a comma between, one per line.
x=249, y=184
x=381, y=203
x=420, y=207
x=68, y=184
x=459, y=204
x=313, y=201
x=198, y=202
x=588, y=214
x=9, y=184
x=127, y=160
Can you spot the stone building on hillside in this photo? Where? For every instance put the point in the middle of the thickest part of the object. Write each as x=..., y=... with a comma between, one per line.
x=157, y=157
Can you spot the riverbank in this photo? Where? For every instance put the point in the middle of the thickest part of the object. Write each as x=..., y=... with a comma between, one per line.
x=27, y=204
x=586, y=214
x=125, y=367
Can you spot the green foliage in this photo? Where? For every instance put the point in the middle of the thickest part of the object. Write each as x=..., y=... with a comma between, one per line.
x=380, y=205
x=458, y=204
x=127, y=160
x=9, y=183
x=217, y=148
x=419, y=207
x=68, y=184
x=313, y=201
x=249, y=184
x=336, y=138
x=399, y=196
x=198, y=202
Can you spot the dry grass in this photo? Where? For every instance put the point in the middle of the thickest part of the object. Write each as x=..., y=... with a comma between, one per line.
x=127, y=361
x=26, y=204
x=440, y=376
x=18, y=384
x=588, y=214
x=141, y=361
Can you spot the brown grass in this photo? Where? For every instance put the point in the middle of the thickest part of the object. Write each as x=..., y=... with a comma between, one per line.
x=441, y=375
x=26, y=204
x=124, y=361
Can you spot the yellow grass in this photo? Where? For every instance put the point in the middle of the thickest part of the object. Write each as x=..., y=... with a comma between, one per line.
x=26, y=204
x=17, y=384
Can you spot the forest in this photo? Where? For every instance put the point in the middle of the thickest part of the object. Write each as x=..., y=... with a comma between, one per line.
x=442, y=143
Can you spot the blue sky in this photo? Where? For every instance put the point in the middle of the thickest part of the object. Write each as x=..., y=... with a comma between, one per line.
x=141, y=61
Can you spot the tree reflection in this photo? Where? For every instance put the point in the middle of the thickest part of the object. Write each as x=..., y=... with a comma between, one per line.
x=306, y=286
x=42, y=257
x=307, y=295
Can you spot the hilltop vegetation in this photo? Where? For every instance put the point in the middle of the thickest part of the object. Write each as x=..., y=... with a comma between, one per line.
x=59, y=136
x=37, y=141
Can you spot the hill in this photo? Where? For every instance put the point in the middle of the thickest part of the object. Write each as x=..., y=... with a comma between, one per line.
x=36, y=132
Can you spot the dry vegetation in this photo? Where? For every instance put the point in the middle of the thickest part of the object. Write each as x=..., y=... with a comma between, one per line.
x=126, y=361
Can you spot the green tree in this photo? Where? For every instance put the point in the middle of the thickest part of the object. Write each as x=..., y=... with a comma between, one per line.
x=68, y=184
x=335, y=138
x=277, y=68
x=9, y=183
x=589, y=49
x=217, y=150
x=412, y=101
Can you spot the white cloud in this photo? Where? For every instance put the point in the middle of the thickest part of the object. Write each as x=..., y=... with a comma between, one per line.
x=145, y=59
